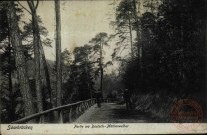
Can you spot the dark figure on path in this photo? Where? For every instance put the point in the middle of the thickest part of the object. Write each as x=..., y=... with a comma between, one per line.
x=98, y=99
x=127, y=99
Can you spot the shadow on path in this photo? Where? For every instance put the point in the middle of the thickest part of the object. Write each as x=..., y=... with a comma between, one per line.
x=113, y=113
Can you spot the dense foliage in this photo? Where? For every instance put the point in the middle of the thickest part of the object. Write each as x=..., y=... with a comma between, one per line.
x=173, y=49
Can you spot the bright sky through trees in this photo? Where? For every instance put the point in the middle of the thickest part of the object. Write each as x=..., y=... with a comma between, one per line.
x=81, y=21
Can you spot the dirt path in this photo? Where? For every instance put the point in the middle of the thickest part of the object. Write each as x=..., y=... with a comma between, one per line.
x=112, y=113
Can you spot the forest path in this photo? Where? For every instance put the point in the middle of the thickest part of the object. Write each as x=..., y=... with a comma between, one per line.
x=112, y=113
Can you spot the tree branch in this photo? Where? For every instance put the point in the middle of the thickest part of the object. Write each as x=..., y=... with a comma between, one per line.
x=32, y=2
x=31, y=6
x=24, y=7
x=37, y=4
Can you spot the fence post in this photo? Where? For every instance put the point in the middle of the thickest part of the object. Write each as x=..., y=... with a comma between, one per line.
x=89, y=103
x=85, y=107
x=76, y=109
x=60, y=116
x=41, y=119
x=82, y=106
x=70, y=114
x=79, y=107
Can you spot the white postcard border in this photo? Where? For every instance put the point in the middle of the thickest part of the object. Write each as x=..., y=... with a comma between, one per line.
x=97, y=128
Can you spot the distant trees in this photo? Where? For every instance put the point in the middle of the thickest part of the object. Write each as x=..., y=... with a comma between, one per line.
x=100, y=40
x=123, y=26
x=84, y=64
x=77, y=75
x=113, y=85
x=128, y=22
x=69, y=78
x=82, y=72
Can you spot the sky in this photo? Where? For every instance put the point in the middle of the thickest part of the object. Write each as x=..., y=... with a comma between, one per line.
x=80, y=22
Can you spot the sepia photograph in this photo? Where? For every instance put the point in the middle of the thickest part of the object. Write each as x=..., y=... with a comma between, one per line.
x=110, y=66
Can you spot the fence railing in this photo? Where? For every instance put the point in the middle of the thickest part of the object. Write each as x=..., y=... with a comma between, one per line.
x=65, y=113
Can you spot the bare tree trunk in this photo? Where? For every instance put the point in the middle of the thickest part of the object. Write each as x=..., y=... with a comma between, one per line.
x=11, y=111
x=101, y=68
x=47, y=76
x=36, y=40
x=130, y=32
x=19, y=59
x=88, y=79
x=58, y=53
x=138, y=30
x=76, y=86
x=58, y=57
x=206, y=54
x=139, y=46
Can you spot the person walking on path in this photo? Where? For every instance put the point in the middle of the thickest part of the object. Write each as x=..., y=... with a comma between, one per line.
x=98, y=99
x=127, y=99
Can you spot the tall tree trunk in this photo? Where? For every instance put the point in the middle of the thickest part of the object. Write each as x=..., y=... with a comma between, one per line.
x=47, y=76
x=139, y=46
x=101, y=68
x=19, y=59
x=58, y=53
x=137, y=30
x=88, y=79
x=11, y=111
x=58, y=57
x=206, y=56
x=36, y=40
x=76, y=86
x=130, y=32
x=185, y=83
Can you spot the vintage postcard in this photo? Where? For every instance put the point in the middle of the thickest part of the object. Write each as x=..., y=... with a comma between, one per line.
x=103, y=66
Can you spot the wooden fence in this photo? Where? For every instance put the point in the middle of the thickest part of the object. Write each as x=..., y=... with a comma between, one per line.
x=65, y=113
